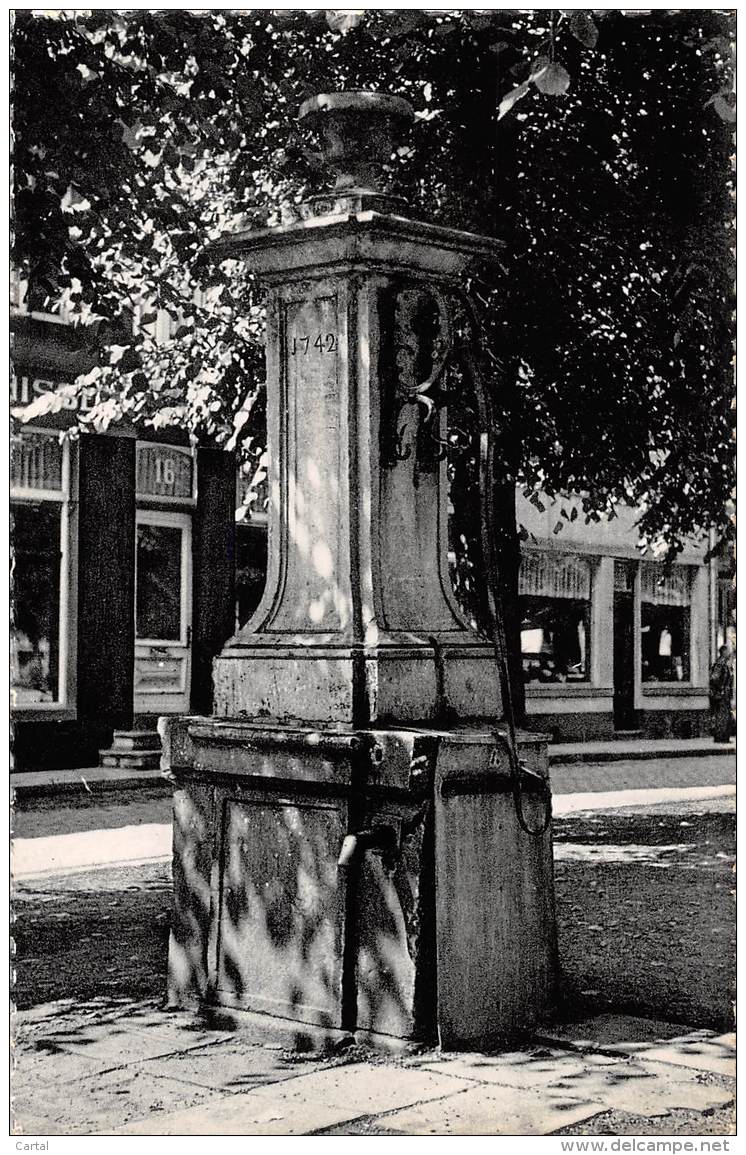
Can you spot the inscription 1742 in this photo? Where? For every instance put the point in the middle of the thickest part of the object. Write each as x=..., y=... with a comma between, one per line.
x=323, y=342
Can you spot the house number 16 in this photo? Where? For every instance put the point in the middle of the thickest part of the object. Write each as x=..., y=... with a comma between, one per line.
x=165, y=471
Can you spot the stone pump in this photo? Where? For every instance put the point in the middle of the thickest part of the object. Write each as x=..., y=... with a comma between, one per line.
x=355, y=844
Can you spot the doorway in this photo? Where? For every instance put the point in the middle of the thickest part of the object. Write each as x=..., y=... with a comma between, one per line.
x=625, y=715
x=163, y=612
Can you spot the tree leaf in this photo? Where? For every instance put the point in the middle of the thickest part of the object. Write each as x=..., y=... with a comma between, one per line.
x=405, y=22
x=512, y=98
x=553, y=80
x=343, y=20
x=479, y=21
x=538, y=65
x=725, y=111
x=583, y=27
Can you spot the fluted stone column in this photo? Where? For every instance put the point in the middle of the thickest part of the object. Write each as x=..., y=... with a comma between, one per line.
x=358, y=623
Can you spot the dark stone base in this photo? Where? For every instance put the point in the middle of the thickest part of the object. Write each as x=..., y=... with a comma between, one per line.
x=573, y=727
x=359, y=881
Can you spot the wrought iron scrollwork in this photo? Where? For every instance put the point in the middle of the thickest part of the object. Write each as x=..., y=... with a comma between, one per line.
x=422, y=338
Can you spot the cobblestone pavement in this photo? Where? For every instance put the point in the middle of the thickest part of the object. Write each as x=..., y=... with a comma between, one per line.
x=646, y=913
x=122, y=1067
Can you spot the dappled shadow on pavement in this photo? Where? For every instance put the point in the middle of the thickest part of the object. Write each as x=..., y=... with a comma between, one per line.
x=109, y=1065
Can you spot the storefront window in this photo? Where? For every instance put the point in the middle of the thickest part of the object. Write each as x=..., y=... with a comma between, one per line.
x=35, y=631
x=665, y=623
x=555, y=606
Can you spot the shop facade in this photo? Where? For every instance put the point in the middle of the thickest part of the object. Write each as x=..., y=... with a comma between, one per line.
x=123, y=566
x=612, y=641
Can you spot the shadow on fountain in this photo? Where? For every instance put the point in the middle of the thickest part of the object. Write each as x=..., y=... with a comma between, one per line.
x=264, y=920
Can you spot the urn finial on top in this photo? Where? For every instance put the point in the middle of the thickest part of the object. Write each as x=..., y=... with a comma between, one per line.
x=359, y=132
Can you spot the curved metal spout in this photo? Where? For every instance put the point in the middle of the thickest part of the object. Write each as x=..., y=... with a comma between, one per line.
x=380, y=838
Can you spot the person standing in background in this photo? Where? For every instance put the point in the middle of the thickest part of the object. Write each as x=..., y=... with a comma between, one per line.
x=721, y=693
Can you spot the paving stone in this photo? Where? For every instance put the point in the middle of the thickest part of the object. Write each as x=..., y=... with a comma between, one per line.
x=702, y=1054
x=519, y=1069
x=62, y=1019
x=257, y=1030
x=492, y=1110
x=184, y=1035
x=307, y=1103
x=33, y=1066
x=232, y=1066
x=122, y=1042
x=36, y=1125
x=104, y=1103
x=642, y=1089
x=43, y=1012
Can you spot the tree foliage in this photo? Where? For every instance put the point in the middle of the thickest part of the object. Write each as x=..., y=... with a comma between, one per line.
x=597, y=145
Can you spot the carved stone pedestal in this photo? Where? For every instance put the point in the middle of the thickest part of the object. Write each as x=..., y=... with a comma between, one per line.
x=342, y=856
x=358, y=623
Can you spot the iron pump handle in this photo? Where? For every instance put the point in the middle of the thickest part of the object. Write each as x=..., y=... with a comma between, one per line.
x=407, y=390
x=441, y=351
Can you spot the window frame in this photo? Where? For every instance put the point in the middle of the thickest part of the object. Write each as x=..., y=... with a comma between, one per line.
x=183, y=522
x=658, y=688
x=580, y=687
x=65, y=497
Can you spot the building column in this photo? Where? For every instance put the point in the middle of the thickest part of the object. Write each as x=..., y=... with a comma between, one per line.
x=602, y=623
x=213, y=551
x=106, y=581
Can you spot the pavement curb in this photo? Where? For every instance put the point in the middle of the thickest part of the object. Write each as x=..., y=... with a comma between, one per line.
x=594, y=757
x=84, y=783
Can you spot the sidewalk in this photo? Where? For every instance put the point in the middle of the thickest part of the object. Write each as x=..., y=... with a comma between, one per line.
x=31, y=784
x=576, y=789
x=123, y=1068
x=60, y=854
